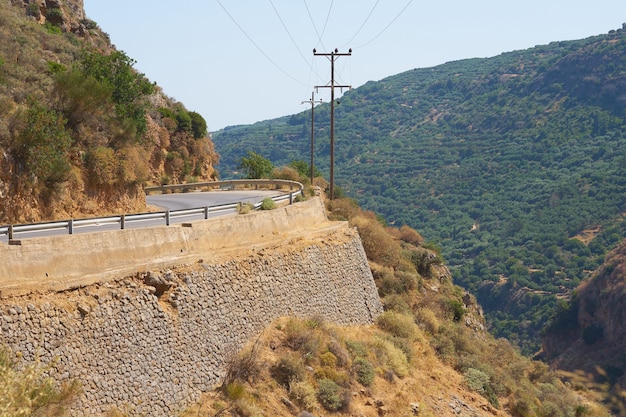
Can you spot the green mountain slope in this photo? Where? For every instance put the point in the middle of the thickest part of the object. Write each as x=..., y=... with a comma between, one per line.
x=500, y=161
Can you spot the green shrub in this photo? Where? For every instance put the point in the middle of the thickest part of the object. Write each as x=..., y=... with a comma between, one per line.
x=301, y=336
x=198, y=125
x=256, y=166
x=338, y=376
x=378, y=244
x=476, y=379
x=288, y=370
x=55, y=67
x=396, y=303
x=52, y=29
x=423, y=261
x=392, y=356
x=42, y=146
x=101, y=165
x=340, y=353
x=397, y=324
x=329, y=395
x=428, y=320
x=328, y=359
x=356, y=348
x=364, y=371
x=268, y=204
x=89, y=24
x=457, y=309
x=235, y=391
x=183, y=119
x=303, y=393
x=244, y=208
x=33, y=10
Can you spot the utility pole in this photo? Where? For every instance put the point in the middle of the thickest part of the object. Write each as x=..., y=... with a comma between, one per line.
x=332, y=56
x=312, y=101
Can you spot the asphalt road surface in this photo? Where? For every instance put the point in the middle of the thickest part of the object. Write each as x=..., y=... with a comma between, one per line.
x=161, y=202
x=183, y=201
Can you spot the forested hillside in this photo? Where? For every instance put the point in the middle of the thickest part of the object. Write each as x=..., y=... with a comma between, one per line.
x=81, y=131
x=589, y=333
x=514, y=165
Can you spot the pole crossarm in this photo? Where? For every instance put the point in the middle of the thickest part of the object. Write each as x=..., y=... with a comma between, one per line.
x=332, y=56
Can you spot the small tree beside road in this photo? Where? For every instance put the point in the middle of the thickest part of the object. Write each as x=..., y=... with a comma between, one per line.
x=256, y=166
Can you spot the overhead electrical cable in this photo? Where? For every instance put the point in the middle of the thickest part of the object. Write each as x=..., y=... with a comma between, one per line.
x=289, y=33
x=362, y=24
x=257, y=46
x=330, y=8
x=319, y=37
x=386, y=27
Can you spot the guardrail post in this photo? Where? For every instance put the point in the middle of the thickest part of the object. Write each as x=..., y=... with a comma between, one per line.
x=290, y=198
x=122, y=221
x=70, y=226
x=10, y=232
x=206, y=212
x=167, y=218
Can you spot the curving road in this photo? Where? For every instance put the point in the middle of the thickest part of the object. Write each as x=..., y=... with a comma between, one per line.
x=162, y=202
x=184, y=201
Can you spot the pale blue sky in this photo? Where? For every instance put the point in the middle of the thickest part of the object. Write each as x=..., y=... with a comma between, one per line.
x=239, y=62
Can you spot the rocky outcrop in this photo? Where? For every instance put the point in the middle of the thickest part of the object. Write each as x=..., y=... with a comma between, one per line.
x=69, y=15
x=591, y=333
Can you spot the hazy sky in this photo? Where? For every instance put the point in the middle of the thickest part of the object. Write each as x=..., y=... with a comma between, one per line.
x=239, y=62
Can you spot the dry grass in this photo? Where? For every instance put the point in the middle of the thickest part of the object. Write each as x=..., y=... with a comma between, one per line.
x=420, y=350
x=26, y=391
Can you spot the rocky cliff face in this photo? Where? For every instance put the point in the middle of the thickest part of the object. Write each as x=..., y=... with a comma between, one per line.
x=591, y=333
x=67, y=14
x=106, y=158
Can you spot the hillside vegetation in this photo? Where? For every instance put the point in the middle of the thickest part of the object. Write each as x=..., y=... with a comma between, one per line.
x=589, y=333
x=427, y=355
x=81, y=131
x=514, y=165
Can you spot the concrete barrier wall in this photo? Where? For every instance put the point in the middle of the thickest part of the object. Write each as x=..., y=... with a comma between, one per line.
x=63, y=262
x=154, y=340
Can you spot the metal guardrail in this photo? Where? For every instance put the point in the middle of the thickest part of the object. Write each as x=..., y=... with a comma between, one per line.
x=167, y=216
x=226, y=183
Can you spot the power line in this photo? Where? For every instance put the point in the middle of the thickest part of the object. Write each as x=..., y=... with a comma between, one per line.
x=282, y=22
x=319, y=37
x=330, y=8
x=362, y=24
x=386, y=27
x=257, y=46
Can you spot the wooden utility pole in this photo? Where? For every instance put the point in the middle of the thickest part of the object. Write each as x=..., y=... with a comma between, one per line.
x=332, y=56
x=312, y=101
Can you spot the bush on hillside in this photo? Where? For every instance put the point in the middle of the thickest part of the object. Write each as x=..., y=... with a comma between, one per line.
x=364, y=371
x=397, y=324
x=330, y=395
x=378, y=245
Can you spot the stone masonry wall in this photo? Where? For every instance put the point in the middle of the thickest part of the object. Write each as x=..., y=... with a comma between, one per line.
x=153, y=342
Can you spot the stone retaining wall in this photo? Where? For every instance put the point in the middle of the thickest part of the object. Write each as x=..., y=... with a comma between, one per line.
x=154, y=341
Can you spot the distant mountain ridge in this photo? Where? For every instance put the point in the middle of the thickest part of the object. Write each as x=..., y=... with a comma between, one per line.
x=501, y=161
